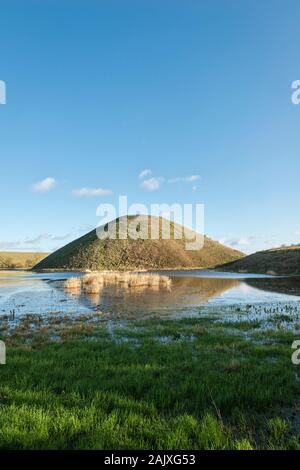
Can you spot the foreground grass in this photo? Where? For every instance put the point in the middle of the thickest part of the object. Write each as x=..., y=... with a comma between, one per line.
x=185, y=384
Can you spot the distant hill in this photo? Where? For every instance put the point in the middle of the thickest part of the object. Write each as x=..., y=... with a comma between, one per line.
x=12, y=259
x=283, y=260
x=89, y=252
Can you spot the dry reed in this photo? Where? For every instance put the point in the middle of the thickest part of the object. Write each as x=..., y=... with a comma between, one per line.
x=93, y=283
x=74, y=283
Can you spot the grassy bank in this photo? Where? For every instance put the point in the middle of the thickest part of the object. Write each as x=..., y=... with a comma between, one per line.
x=90, y=383
x=284, y=261
x=12, y=259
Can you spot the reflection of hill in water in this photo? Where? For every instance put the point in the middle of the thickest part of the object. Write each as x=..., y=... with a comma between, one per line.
x=286, y=285
x=186, y=291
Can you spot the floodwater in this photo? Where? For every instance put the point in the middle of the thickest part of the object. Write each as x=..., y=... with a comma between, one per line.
x=43, y=293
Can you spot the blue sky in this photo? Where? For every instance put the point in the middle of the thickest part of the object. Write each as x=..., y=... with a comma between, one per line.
x=98, y=91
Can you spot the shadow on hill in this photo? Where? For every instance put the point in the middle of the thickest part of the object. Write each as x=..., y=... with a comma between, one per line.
x=281, y=261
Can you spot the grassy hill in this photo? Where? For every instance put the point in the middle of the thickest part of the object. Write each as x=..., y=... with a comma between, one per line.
x=283, y=260
x=11, y=259
x=89, y=252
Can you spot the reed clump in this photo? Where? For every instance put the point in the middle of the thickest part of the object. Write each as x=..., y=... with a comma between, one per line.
x=93, y=283
x=73, y=284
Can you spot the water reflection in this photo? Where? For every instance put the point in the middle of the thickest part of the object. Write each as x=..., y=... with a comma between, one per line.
x=44, y=294
x=284, y=285
x=185, y=292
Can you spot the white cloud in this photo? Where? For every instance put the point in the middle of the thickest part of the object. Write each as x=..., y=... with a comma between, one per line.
x=91, y=192
x=31, y=244
x=46, y=236
x=192, y=178
x=186, y=179
x=243, y=241
x=38, y=239
x=143, y=174
x=152, y=184
x=61, y=237
x=7, y=245
x=24, y=245
x=44, y=185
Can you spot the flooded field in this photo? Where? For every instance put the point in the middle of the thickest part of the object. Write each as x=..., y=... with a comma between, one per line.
x=76, y=357
x=231, y=297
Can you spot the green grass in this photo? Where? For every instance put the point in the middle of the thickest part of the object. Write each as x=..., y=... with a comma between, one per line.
x=11, y=259
x=187, y=384
x=283, y=260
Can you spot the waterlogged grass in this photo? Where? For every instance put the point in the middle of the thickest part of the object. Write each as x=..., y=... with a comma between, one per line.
x=95, y=384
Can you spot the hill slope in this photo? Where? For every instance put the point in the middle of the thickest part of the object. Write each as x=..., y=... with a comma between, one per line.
x=89, y=252
x=12, y=259
x=284, y=260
